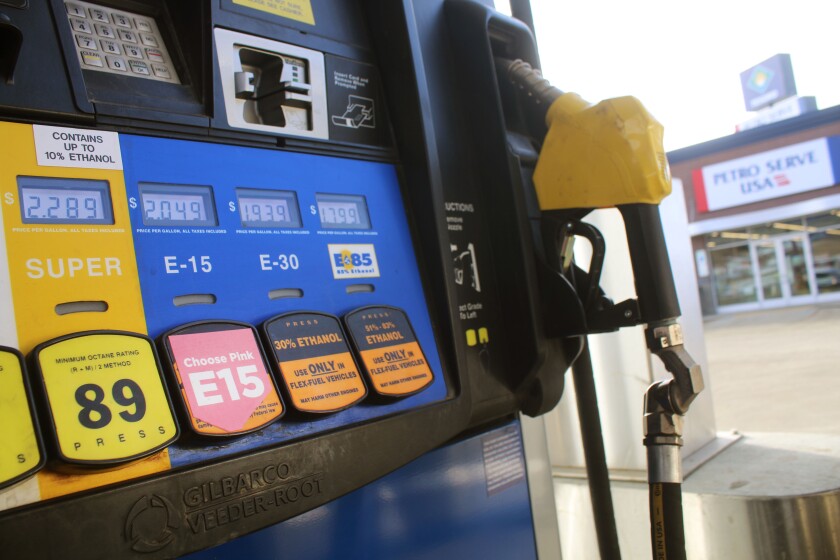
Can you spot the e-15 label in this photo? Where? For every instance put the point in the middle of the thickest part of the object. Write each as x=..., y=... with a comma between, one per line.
x=225, y=385
x=106, y=397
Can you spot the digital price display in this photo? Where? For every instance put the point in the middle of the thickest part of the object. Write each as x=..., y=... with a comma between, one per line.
x=177, y=205
x=48, y=200
x=224, y=383
x=315, y=361
x=342, y=211
x=389, y=351
x=106, y=397
x=22, y=453
x=260, y=208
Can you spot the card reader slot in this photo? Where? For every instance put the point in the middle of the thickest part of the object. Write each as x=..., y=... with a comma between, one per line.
x=193, y=299
x=69, y=307
x=360, y=288
x=285, y=293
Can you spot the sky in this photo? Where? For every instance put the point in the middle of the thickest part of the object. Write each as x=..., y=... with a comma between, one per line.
x=683, y=59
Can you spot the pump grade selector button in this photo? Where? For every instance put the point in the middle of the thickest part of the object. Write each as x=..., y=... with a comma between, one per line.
x=389, y=351
x=223, y=380
x=105, y=395
x=22, y=453
x=315, y=361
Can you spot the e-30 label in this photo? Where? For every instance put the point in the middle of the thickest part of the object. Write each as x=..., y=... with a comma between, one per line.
x=315, y=361
x=390, y=353
x=106, y=397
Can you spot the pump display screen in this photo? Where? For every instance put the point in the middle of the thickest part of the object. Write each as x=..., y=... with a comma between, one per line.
x=177, y=205
x=343, y=211
x=263, y=208
x=47, y=200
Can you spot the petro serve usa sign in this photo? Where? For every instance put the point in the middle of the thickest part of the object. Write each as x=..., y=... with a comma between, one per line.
x=776, y=173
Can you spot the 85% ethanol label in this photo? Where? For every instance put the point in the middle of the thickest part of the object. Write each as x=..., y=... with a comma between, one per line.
x=224, y=383
x=106, y=397
x=21, y=453
x=390, y=353
x=315, y=362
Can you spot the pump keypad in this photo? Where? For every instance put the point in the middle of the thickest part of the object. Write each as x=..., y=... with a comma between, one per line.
x=119, y=42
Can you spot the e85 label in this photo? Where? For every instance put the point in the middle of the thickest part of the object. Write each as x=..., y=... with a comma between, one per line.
x=106, y=397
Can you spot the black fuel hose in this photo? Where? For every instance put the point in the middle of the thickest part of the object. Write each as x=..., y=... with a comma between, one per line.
x=667, y=532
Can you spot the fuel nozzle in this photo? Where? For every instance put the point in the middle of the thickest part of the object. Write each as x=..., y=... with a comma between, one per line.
x=611, y=154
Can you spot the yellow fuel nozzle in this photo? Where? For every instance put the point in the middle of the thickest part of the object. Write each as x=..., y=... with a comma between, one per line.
x=603, y=155
x=599, y=156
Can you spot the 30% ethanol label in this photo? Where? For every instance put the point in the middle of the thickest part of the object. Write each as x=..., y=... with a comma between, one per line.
x=222, y=376
x=315, y=362
x=107, y=401
x=21, y=453
x=390, y=353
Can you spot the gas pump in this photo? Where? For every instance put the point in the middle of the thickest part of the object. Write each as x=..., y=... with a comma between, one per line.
x=231, y=232
x=567, y=158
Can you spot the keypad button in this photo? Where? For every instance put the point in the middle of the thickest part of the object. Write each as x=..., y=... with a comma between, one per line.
x=99, y=15
x=154, y=55
x=110, y=46
x=80, y=25
x=105, y=31
x=143, y=25
x=121, y=42
x=75, y=10
x=161, y=71
x=133, y=52
x=148, y=40
x=127, y=36
x=86, y=42
x=117, y=63
x=122, y=21
x=92, y=59
x=139, y=67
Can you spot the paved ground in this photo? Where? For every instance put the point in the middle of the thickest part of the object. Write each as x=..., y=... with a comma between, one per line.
x=777, y=370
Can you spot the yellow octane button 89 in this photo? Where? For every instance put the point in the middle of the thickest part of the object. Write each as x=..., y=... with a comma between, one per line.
x=20, y=452
x=106, y=398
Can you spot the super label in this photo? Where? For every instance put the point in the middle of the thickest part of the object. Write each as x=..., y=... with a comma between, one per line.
x=21, y=453
x=223, y=378
x=388, y=348
x=315, y=362
x=106, y=398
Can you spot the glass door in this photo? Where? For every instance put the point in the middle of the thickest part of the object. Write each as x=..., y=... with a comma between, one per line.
x=768, y=269
x=796, y=266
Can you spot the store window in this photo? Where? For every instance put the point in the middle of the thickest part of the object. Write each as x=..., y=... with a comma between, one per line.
x=781, y=262
x=825, y=250
x=733, y=275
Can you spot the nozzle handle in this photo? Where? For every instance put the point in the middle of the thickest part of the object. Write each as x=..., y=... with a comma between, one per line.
x=654, y=280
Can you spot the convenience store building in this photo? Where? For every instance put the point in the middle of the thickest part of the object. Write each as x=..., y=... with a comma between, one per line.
x=764, y=214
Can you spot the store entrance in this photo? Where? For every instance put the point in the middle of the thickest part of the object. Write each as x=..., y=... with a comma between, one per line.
x=785, y=270
x=787, y=262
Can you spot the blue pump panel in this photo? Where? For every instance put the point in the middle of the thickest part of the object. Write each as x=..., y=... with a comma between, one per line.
x=197, y=261
x=468, y=499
